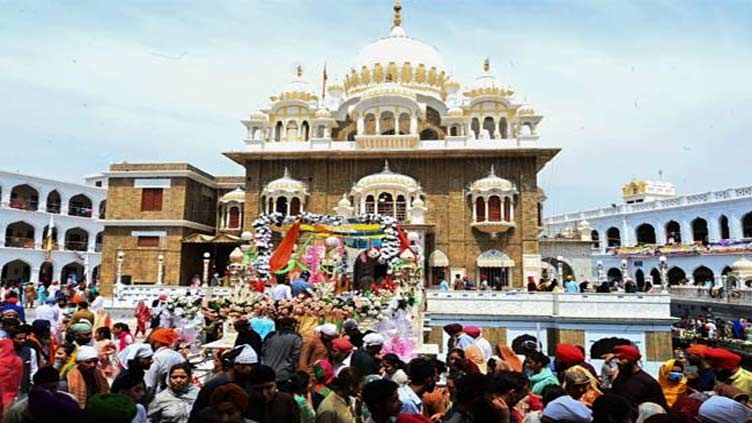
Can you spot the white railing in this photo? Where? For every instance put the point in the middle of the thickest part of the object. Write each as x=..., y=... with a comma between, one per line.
x=547, y=304
x=705, y=197
x=126, y=296
x=705, y=294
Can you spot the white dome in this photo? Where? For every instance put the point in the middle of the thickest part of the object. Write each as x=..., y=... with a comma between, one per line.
x=387, y=178
x=299, y=85
x=742, y=265
x=492, y=182
x=344, y=202
x=286, y=184
x=235, y=196
x=258, y=115
x=399, y=48
x=486, y=84
x=323, y=113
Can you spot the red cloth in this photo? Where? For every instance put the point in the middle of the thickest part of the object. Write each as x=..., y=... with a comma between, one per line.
x=722, y=359
x=164, y=336
x=534, y=402
x=569, y=355
x=11, y=372
x=412, y=418
x=697, y=349
x=342, y=345
x=627, y=352
x=404, y=242
x=282, y=255
x=473, y=331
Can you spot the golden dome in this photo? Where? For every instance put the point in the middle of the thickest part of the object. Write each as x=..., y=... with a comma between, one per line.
x=323, y=113
x=455, y=112
x=526, y=110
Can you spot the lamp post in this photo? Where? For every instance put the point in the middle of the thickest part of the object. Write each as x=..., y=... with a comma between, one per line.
x=560, y=268
x=624, y=270
x=599, y=271
x=205, y=280
x=724, y=287
x=663, y=268
x=160, y=269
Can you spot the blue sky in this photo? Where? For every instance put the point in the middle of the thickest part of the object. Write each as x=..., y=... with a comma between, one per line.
x=626, y=87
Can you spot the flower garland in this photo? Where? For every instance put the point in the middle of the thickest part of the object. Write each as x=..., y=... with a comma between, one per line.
x=388, y=254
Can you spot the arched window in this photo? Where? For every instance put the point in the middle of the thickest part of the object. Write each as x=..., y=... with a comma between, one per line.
x=278, y=131
x=401, y=208
x=526, y=128
x=702, y=274
x=700, y=230
x=475, y=127
x=454, y=130
x=305, y=129
x=614, y=237
x=370, y=124
x=281, y=206
x=490, y=126
x=386, y=204
x=79, y=205
x=370, y=205
x=613, y=274
x=724, y=224
x=494, y=208
x=386, y=123
x=673, y=233
x=480, y=209
x=76, y=239
x=16, y=271
x=320, y=131
x=645, y=234
x=19, y=235
x=507, y=209
x=103, y=209
x=428, y=134
x=596, y=239
x=54, y=202
x=747, y=225
x=404, y=123
x=24, y=197
x=503, y=128
x=295, y=206
x=233, y=218
x=676, y=275
x=270, y=208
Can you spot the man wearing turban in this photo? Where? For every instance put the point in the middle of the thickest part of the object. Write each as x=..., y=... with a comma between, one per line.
x=86, y=379
x=316, y=346
x=704, y=379
x=633, y=383
x=727, y=366
x=341, y=354
x=162, y=341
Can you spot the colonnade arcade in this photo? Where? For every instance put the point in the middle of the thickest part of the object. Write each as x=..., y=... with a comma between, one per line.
x=700, y=230
x=22, y=271
x=27, y=197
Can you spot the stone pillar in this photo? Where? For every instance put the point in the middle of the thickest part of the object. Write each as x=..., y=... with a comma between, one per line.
x=5, y=198
x=686, y=232
x=626, y=234
x=92, y=243
x=413, y=125
x=714, y=228
x=361, y=125
x=660, y=234
x=34, y=277
x=38, y=238
x=735, y=227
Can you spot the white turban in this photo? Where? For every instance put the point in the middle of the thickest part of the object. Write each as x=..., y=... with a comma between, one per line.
x=134, y=351
x=328, y=329
x=568, y=409
x=373, y=339
x=724, y=410
x=85, y=353
x=247, y=355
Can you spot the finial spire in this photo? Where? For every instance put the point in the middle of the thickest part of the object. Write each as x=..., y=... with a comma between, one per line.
x=397, y=13
x=493, y=171
x=299, y=70
x=487, y=65
x=386, y=166
x=287, y=173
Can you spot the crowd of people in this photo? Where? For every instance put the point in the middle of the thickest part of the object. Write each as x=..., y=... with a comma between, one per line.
x=72, y=364
x=714, y=328
x=570, y=285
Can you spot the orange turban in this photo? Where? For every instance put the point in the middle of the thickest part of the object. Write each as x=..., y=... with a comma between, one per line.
x=698, y=349
x=164, y=336
x=77, y=299
x=569, y=355
x=723, y=359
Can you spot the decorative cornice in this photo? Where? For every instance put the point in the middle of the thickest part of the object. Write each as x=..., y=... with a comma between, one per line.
x=158, y=223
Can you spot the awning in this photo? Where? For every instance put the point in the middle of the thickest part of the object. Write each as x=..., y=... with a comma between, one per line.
x=494, y=258
x=438, y=259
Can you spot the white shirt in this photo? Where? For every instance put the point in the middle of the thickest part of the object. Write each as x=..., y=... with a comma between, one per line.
x=411, y=402
x=49, y=313
x=164, y=359
x=345, y=363
x=97, y=304
x=282, y=292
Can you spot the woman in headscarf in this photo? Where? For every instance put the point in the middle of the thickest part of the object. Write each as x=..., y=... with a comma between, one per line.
x=542, y=375
x=475, y=355
x=672, y=380
x=143, y=316
x=581, y=385
x=173, y=405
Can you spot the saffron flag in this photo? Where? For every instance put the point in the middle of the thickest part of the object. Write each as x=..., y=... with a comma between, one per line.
x=282, y=255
